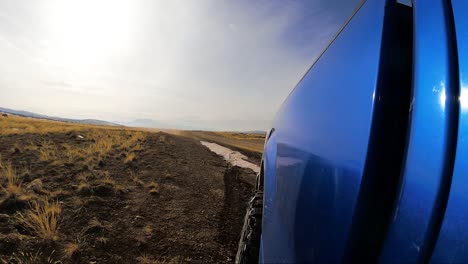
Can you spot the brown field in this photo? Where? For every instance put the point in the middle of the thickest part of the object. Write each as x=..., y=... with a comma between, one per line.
x=86, y=194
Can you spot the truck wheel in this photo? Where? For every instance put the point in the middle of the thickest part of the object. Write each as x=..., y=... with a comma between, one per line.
x=249, y=244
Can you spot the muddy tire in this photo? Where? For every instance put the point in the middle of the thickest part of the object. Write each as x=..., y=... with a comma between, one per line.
x=249, y=244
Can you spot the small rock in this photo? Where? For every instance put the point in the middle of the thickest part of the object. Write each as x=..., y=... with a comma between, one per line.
x=79, y=137
x=35, y=185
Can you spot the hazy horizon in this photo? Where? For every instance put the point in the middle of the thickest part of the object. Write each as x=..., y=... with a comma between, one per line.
x=219, y=65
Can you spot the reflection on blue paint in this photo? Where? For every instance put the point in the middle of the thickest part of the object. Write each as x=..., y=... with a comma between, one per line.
x=315, y=158
x=452, y=244
x=464, y=97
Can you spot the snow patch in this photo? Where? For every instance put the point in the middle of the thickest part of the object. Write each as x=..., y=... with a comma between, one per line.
x=234, y=157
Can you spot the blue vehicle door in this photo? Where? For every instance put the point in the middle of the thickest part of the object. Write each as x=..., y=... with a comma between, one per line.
x=451, y=245
x=333, y=161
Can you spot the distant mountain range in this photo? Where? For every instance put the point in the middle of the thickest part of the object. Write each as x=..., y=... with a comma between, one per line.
x=69, y=120
x=260, y=132
x=148, y=123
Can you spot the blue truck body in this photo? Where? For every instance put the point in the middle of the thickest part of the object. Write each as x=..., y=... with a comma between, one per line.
x=367, y=159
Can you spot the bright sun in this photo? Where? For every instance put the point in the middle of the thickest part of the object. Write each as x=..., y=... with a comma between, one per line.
x=87, y=33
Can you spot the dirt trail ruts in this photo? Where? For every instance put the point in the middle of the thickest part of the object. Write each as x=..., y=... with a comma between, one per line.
x=196, y=216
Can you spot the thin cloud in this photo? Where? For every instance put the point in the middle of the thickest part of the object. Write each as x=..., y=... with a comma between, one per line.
x=224, y=65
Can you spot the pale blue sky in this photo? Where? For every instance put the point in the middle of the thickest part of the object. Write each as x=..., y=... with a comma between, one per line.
x=200, y=64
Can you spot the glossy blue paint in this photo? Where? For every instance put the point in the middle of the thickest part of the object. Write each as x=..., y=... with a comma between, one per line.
x=315, y=158
x=452, y=244
x=409, y=236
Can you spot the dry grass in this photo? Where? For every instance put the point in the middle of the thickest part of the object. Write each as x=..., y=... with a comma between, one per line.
x=58, y=193
x=102, y=240
x=162, y=139
x=137, y=147
x=42, y=219
x=147, y=230
x=20, y=125
x=69, y=249
x=16, y=148
x=30, y=258
x=153, y=188
x=77, y=203
x=30, y=146
x=153, y=191
x=48, y=151
x=238, y=135
x=104, y=140
x=70, y=154
x=152, y=185
x=120, y=189
x=146, y=259
x=23, y=258
x=130, y=157
x=13, y=183
x=12, y=190
x=107, y=179
x=132, y=141
x=137, y=180
x=85, y=177
x=9, y=172
x=242, y=141
x=17, y=125
x=83, y=187
x=93, y=223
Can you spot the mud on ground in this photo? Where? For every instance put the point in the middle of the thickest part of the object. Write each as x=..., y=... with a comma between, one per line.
x=250, y=145
x=168, y=200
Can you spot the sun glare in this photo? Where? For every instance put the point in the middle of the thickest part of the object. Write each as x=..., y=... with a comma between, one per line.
x=87, y=33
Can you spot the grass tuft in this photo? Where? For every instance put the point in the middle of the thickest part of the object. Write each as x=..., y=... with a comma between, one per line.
x=153, y=188
x=102, y=240
x=129, y=157
x=152, y=185
x=70, y=249
x=13, y=183
x=107, y=179
x=42, y=219
x=146, y=259
x=83, y=188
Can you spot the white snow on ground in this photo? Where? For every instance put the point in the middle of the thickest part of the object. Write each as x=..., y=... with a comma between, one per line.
x=233, y=157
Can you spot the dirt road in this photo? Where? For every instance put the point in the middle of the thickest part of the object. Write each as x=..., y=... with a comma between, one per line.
x=193, y=212
x=250, y=145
